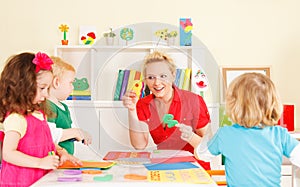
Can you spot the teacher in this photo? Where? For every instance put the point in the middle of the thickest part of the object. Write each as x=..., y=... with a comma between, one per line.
x=146, y=114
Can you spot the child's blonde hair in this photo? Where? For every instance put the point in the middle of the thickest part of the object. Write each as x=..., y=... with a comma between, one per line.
x=158, y=56
x=252, y=99
x=60, y=66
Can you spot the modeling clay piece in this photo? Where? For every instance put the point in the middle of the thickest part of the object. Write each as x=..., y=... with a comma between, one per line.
x=91, y=171
x=135, y=177
x=137, y=87
x=72, y=172
x=168, y=119
x=69, y=179
x=107, y=177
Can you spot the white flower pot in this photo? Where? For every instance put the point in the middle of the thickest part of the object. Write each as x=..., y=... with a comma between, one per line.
x=109, y=40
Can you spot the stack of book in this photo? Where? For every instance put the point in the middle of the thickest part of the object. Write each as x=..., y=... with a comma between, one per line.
x=183, y=78
x=128, y=80
x=132, y=80
x=80, y=95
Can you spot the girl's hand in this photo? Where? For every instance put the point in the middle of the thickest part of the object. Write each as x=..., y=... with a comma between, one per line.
x=49, y=162
x=129, y=100
x=66, y=156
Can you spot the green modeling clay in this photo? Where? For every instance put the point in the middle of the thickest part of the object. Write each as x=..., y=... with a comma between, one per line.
x=168, y=119
x=107, y=177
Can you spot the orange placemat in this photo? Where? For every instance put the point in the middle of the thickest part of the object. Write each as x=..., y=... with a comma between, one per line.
x=86, y=164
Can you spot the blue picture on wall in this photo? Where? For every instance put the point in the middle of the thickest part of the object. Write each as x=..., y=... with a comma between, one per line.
x=186, y=28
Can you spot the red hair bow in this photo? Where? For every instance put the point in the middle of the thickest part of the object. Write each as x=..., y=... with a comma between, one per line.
x=42, y=62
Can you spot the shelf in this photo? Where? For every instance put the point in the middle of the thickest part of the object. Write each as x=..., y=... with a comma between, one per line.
x=109, y=104
x=137, y=46
x=94, y=104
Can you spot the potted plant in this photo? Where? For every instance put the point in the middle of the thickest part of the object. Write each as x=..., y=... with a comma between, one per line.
x=64, y=29
x=109, y=37
x=171, y=37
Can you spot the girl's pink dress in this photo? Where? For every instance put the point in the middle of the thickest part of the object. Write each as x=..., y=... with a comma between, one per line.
x=36, y=142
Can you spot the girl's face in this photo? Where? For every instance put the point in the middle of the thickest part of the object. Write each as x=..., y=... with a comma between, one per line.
x=159, y=78
x=65, y=85
x=44, y=80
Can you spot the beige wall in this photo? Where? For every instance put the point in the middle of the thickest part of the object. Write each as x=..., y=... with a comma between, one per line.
x=237, y=32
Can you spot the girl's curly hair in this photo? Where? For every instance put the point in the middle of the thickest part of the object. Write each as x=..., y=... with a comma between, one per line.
x=18, y=85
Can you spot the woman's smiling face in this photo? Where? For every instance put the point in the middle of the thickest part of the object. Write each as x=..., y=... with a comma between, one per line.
x=159, y=78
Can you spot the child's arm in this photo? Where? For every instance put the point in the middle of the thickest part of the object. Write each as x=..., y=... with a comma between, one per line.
x=295, y=156
x=76, y=133
x=138, y=130
x=13, y=156
x=56, y=133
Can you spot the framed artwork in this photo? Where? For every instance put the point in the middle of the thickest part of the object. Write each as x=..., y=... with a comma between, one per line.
x=230, y=73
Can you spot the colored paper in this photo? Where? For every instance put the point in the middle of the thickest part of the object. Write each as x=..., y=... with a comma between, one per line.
x=198, y=176
x=114, y=155
x=170, y=166
x=173, y=159
x=86, y=164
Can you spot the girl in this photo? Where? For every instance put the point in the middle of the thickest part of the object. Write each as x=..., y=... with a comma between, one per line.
x=254, y=146
x=24, y=85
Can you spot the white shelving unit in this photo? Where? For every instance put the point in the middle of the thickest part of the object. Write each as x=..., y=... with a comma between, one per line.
x=100, y=64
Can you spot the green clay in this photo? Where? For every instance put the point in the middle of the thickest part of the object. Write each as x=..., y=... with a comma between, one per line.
x=168, y=119
x=107, y=177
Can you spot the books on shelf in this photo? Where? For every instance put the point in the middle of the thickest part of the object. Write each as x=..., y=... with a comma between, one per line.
x=119, y=85
x=124, y=83
x=187, y=79
x=178, y=72
x=80, y=95
x=128, y=80
x=132, y=80
x=183, y=78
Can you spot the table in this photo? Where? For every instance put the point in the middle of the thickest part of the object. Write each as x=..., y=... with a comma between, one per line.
x=296, y=135
x=118, y=172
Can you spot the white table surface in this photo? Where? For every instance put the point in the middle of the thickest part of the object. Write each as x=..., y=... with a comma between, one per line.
x=118, y=172
x=295, y=134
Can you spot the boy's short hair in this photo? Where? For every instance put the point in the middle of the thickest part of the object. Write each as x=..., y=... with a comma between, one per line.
x=60, y=66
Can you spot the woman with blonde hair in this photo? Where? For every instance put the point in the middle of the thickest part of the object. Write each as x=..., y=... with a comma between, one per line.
x=146, y=114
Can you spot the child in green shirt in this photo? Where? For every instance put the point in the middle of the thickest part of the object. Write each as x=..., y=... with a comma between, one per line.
x=59, y=118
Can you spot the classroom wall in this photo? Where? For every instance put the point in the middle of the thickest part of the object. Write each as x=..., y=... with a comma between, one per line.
x=237, y=33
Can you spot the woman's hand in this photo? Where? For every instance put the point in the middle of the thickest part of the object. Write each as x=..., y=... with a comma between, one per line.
x=129, y=100
x=186, y=132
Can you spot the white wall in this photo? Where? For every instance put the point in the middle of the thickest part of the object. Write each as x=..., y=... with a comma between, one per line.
x=240, y=33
